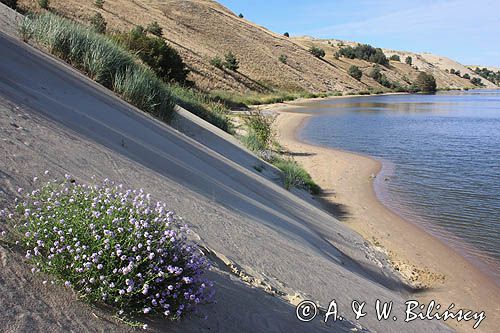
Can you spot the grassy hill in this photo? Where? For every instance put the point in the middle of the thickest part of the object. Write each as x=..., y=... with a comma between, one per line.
x=202, y=29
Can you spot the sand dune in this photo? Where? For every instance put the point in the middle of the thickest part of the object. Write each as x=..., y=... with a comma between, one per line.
x=54, y=118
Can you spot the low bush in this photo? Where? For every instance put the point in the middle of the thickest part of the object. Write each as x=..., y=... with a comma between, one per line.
x=286, y=34
x=155, y=29
x=217, y=62
x=112, y=246
x=317, y=52
x=98, y=23
x=260, y=129
x=283, y=58
x=231, y=62
x=355, y=72
x=102, y=59
x=293, y=175
x=408, y=60
x=395, y=57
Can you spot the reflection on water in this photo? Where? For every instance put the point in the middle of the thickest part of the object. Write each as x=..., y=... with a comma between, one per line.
x=445, y=151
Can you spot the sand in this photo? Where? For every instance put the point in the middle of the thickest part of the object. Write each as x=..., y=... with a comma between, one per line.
x=424, y=261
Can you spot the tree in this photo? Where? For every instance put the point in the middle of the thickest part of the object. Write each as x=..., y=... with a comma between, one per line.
x=317, y=51
x=155, y=29
x=425, y=82
x=230, y=61
x=286, y=34
x=283, y=58
x=355, y=72
x=241, y=15
x=452, y=71
x=466, y=76
x=409, y=60
x=98, y=23
x=44, y=4
x=395, y=57
x=99, y=3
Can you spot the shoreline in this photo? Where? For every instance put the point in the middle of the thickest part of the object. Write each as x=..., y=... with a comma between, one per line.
x=423, y=260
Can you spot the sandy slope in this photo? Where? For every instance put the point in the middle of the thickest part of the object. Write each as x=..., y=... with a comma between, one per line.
x=54, y=118
x=348, y=193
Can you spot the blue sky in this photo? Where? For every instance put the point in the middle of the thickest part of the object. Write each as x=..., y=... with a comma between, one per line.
x=465, y=30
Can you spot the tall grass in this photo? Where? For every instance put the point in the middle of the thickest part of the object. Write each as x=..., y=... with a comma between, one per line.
x=203, y=106
x=295, y=176
x=102, y=60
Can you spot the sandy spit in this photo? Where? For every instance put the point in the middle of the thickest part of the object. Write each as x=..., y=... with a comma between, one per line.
x=423, y=260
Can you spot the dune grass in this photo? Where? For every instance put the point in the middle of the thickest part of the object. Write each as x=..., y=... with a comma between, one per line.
x=116, y=68
x=102, y=60
x=294, y=175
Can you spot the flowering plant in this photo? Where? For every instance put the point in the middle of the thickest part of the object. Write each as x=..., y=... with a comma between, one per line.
x=113, y=246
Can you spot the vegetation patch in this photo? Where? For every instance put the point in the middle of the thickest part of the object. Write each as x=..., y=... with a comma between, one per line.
x=294, y=175
x=112, y=246
x=102, y=60
x=154, y=52
x=364, y=52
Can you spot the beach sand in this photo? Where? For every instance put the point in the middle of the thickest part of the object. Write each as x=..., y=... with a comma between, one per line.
x=425, y=262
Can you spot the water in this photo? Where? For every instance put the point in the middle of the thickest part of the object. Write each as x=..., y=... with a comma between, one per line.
x=441, y=154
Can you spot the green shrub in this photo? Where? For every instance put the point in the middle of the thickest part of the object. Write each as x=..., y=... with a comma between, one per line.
x=10, y=3
x=43, y=4
x=99, y=3
x=98, y=23
x=293, y=175
x=317, y=52
x=217, y=62
x=476, y=81
x=156, y=53
x=102, y=59
x=355, y=72
x=155, y=29
x=408, y=60
x=466, y=76
x=241, y=15
x=252, y=142
x=283, y=58
x=395, y=57
x=112, y=246
x=425, y=82
x=364, y=52
x=286, y=34
x=202, y=105
x=230, y=61
x=260, y=129
x=375, y=73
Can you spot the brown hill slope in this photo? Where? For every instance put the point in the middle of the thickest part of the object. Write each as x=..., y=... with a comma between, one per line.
x=203, y=29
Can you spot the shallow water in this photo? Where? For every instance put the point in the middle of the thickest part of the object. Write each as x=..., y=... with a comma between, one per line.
x=441, y=157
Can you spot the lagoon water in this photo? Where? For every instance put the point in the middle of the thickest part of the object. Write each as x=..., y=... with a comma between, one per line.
x=441, y=160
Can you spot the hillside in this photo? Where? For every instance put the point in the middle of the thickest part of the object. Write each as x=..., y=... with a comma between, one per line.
x=203, y=29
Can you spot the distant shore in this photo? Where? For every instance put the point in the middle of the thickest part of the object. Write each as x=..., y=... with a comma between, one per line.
x=424, y=261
